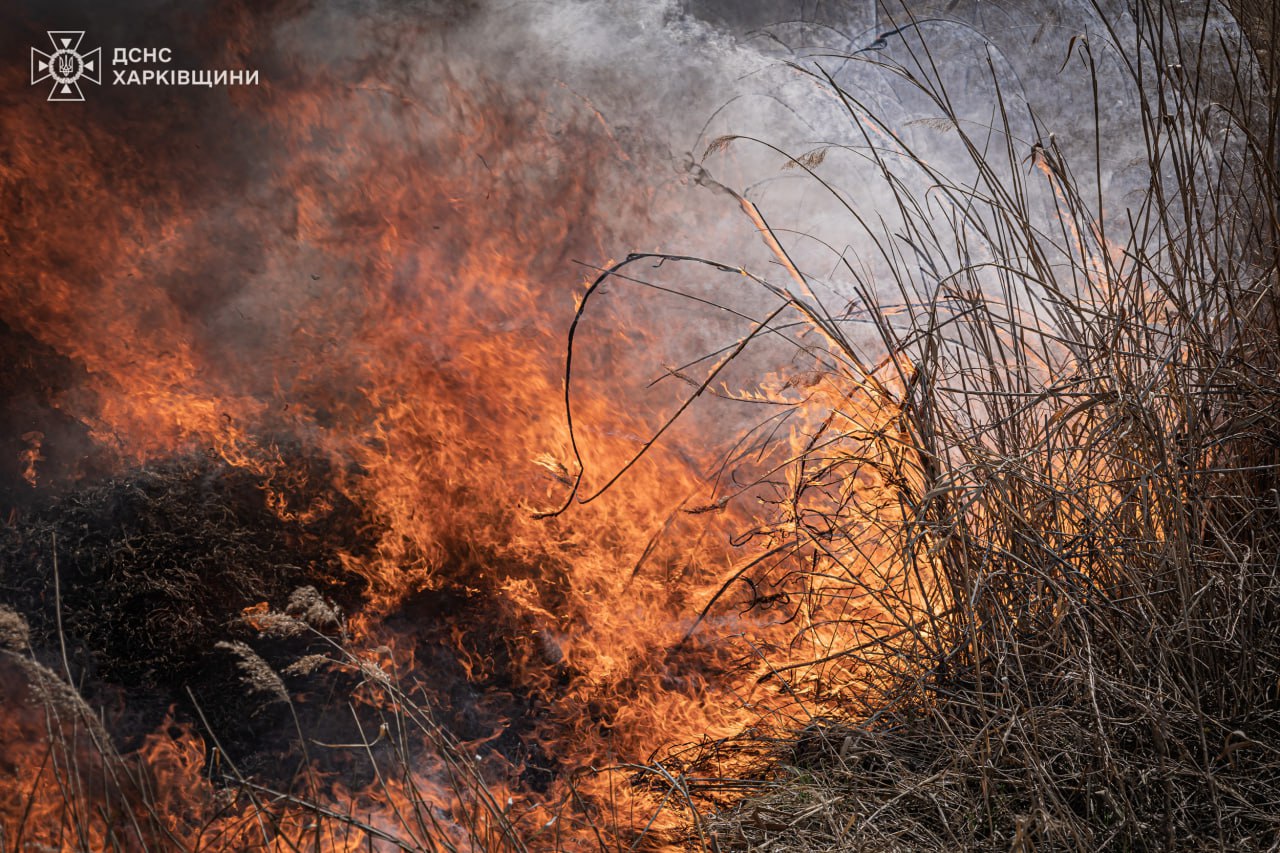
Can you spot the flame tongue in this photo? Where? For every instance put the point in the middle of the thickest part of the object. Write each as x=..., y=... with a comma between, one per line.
x=389, y=293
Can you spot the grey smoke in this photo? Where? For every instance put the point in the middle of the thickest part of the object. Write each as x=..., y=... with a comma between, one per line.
x=654, y=83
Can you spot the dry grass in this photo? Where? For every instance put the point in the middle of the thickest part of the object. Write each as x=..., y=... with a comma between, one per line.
x=1090, y=657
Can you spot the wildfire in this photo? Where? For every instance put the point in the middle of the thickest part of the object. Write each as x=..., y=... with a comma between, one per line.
x=392, y=292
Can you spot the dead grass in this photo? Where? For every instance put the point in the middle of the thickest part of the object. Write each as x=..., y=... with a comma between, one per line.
x=1091, y=658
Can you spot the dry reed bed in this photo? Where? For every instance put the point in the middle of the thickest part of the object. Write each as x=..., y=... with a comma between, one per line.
x=1092, y=660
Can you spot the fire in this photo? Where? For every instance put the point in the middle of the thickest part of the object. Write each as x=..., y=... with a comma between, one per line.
x=31, y=456
x=392, y=291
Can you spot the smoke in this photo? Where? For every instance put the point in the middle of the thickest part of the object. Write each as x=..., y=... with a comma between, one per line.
x=392, y=147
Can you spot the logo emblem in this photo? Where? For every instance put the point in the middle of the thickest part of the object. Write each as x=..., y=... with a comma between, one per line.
x=66, y=66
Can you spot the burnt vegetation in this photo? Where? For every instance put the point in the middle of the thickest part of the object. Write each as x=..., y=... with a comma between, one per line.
x=136, y=588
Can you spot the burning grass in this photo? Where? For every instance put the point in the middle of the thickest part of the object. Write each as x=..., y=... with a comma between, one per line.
x=205, y=631
x=1092, y=658
x=1007, y=575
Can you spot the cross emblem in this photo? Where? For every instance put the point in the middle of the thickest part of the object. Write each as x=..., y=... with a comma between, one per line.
x=66, y=66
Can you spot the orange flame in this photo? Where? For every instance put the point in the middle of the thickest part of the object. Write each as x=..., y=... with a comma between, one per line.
x=396, y=296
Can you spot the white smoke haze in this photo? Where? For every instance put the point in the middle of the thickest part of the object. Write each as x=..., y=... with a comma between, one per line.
x=592, y=129
x=667, y=80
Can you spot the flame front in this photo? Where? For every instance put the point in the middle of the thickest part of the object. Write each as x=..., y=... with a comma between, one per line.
x=390, y=287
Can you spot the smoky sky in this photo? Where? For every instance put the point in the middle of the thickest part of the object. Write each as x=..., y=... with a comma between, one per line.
x=651, y=84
